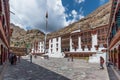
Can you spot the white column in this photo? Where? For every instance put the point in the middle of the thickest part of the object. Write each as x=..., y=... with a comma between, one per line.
x=79, y=44
x=94, y=42
x=40, y=46
x=59, y=44
x=49, y=46
x=54, y=45
x=86, y=48
x=70, y=44
x=43, y=46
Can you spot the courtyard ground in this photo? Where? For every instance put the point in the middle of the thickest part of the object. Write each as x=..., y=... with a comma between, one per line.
x=55, y=69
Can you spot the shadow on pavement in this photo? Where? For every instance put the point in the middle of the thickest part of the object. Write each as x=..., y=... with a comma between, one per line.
x=30, y=71
x=112, y=74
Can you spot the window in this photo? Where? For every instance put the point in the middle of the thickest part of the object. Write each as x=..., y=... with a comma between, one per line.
x=83, y=48
x=116, y=27
x=57, y=45
x=118, y=18
x=0, y=7
x=103, y=30
x=51, y=50
x=56, y=49
x=103, y=38
x=57, y=39
x=98, y=32
x=51, y=45
x=99, y=38
x=51, y=40
x=89, y=48
x=3, y=22
x=41, y=46
x=113, y=30
x=106, y=29
x=101, y=45
x=68, y=49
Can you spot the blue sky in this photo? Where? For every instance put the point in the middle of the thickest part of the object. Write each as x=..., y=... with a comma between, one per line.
x=31, y=15
x=83, y=7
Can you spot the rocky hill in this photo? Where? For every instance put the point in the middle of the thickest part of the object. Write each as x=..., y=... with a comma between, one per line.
x=97, y=18
x=23, y=38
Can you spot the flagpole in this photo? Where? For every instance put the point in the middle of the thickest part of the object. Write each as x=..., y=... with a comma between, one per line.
x=46, y=31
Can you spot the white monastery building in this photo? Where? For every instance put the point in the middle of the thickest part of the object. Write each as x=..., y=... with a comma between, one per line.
x=90, y=43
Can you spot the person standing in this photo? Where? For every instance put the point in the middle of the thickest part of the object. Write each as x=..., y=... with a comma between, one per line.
x=10, y=56
x=14, y=59
x=68, y=57
x=72, y=57
x=19, y=58
x=31, y=58
x=101, y=62
x=109, y=63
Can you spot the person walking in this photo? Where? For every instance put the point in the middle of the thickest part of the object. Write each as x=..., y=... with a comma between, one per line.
x=101, y=62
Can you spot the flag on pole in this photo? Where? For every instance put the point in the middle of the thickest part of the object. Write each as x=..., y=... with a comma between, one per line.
x=46, y=14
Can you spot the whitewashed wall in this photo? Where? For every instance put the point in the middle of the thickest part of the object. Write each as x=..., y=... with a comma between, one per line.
x=53, y=46
x=94, y=42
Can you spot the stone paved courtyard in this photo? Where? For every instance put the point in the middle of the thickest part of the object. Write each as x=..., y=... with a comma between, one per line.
x=55, y=69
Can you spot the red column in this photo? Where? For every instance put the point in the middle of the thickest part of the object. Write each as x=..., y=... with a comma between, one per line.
x=2, y=54
x=115, y=57
x=109, y=55
x=5, y=54
x=118, y=57
x=112, y=56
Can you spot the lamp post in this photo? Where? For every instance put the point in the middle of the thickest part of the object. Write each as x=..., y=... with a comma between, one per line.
x=46, y=31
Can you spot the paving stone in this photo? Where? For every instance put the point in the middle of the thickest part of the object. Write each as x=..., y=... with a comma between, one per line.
x=54, y=69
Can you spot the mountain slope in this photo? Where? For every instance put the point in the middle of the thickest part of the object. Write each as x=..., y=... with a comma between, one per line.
x=21, y=38
x=97, y=18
